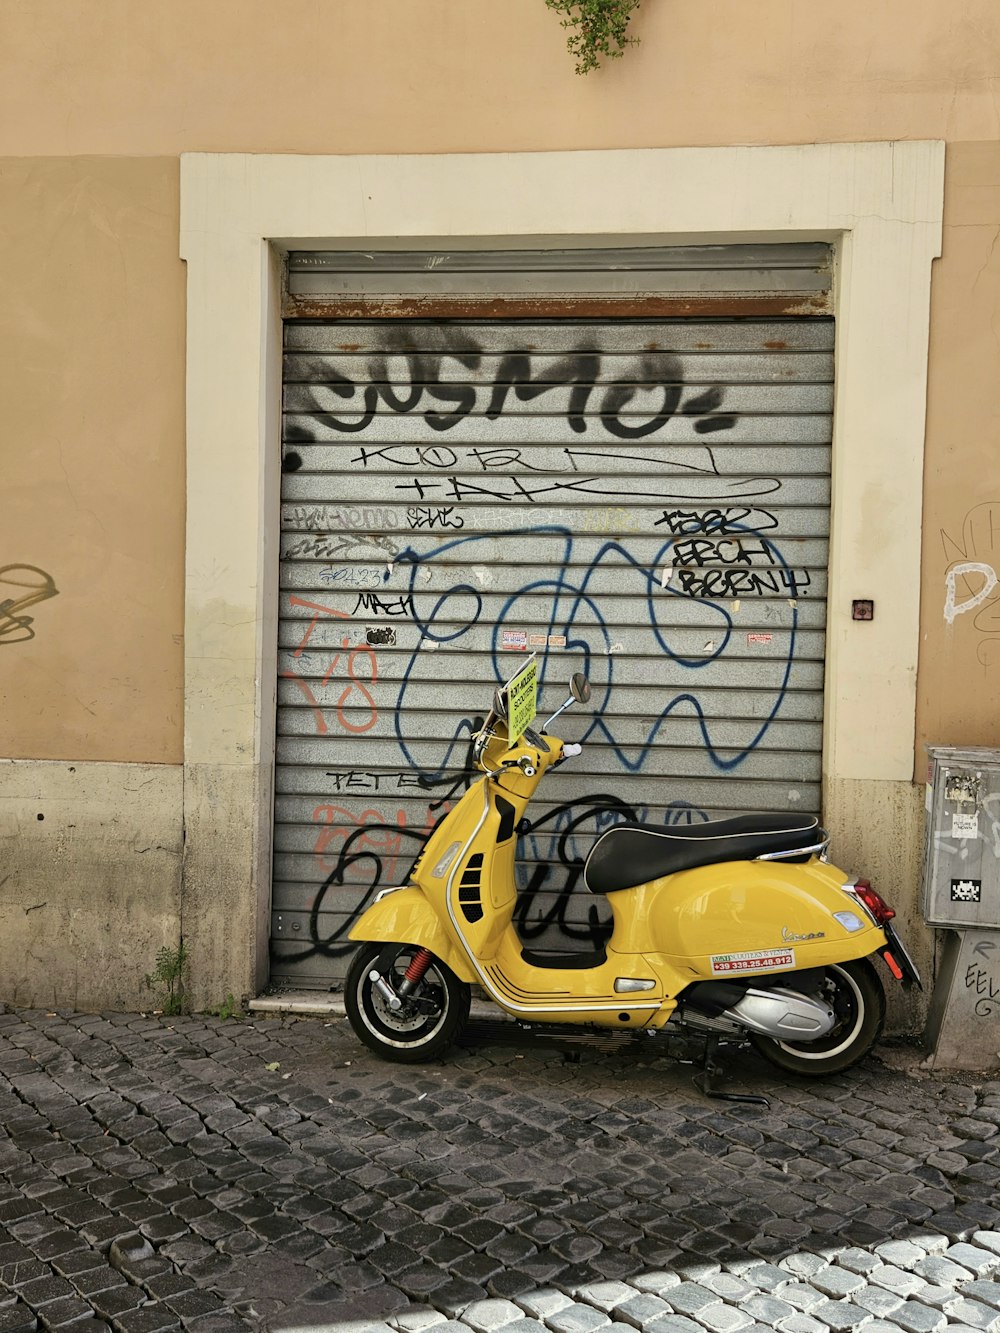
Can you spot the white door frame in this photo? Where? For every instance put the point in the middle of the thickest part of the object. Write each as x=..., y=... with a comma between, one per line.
x=879, y=204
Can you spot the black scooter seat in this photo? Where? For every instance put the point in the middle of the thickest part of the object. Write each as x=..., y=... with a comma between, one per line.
x=631, y=854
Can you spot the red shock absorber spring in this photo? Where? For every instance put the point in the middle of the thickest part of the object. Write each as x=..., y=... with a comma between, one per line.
x=418, y=966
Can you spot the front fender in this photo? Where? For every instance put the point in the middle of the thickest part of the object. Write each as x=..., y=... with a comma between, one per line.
x=406, y=917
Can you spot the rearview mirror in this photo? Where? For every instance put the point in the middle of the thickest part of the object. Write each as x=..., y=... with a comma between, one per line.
x=579, y=687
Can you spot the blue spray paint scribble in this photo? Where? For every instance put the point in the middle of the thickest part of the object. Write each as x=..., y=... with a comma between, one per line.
x=576, y=615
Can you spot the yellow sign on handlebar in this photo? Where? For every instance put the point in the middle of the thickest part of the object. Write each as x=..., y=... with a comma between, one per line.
x=522, y=701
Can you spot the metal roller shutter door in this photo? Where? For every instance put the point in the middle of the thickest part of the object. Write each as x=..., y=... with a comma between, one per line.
x=645, y=499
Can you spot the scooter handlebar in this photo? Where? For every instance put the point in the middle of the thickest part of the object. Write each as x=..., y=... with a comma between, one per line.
x=572, y=750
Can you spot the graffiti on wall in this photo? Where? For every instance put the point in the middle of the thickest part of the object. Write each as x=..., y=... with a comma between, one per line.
x=519, y=378
x=355, y=673
x=383, y=844
x=383, y=852
x=701, y=539
x=575, y=615
x=972, y=581
x=21, y=586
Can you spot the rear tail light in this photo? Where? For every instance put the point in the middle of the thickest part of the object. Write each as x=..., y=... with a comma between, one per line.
x=878, y=909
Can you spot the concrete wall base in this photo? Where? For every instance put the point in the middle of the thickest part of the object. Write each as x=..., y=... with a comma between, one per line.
x=96, y=880
x=877, y=833
x=90, y=879
x=225, y=866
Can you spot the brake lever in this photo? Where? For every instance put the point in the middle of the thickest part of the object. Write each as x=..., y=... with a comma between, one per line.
x=539, y=742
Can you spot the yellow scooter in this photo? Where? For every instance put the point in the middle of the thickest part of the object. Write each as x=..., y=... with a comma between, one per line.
x=735, y=928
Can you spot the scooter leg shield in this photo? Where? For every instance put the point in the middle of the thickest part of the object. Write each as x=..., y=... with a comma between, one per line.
x=406, y=917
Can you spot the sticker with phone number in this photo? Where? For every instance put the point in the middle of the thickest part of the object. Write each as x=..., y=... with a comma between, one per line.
x=774, y=960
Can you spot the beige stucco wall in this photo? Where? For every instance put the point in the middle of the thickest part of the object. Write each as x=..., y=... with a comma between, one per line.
x=96, y=103
x=92, y=404
x=959, y=679
x=407, y=76
x=94, y=289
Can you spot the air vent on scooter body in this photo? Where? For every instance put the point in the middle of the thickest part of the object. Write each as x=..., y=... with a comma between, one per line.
x=470, y=889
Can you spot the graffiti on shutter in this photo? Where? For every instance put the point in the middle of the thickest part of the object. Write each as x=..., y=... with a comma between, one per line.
x=647, y=502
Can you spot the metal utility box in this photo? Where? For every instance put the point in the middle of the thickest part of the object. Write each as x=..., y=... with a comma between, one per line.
x=962, y=861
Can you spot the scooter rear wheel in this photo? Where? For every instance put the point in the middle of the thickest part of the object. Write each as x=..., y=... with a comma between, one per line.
x=855, y=994
x=427, y=1023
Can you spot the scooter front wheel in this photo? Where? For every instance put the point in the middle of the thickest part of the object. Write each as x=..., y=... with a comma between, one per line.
x=427, y=1022
x=855, y=994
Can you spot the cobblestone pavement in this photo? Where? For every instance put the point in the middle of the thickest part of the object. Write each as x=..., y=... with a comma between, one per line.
x=266, y=1174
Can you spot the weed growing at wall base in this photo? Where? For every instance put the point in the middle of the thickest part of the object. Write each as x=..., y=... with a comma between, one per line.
x=601, y=29
x=229, y=1008
x=169, y=978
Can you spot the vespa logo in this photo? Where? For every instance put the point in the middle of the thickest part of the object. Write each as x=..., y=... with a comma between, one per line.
x=790, y=937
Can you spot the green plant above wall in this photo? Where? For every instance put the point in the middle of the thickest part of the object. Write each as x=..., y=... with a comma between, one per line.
x=601, y=29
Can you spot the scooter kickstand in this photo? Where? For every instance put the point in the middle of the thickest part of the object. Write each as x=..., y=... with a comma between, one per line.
x=704, y=1081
